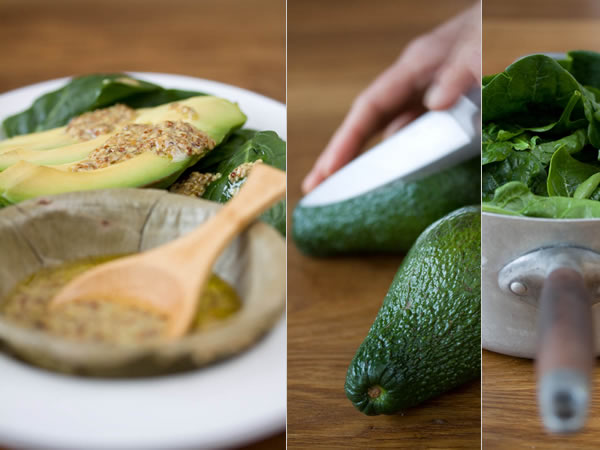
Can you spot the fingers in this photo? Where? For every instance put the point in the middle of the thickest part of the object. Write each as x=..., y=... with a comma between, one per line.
x=391, y=93
x=459, y=73
x=402, y=120
x=313, y=179
x=367, y=115
x=373, y=109
x=323, y=168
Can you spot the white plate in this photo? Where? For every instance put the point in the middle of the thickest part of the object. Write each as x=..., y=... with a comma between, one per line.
x=226, y=404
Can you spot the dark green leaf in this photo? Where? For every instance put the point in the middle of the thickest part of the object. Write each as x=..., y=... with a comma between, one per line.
x=245, y=146
x=572, y=143
x=585, y=67
x=516, y=199
x=535, y=89
x=588, y=187
x=566, y=173
x=542, y=116
x=518, y=166
x=160, y=97
x=87, y=93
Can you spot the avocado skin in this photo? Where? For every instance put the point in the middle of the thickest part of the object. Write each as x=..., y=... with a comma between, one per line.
x=388, y=219
x=426, y=338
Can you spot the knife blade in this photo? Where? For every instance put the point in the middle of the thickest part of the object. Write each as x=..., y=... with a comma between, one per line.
x=433, y=142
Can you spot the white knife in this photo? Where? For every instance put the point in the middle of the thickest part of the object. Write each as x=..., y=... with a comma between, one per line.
x=435, y=141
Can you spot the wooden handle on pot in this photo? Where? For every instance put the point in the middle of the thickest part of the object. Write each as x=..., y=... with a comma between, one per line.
x=565, y=357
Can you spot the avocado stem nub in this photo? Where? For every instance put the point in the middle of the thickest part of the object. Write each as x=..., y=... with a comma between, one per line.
x=374, y=391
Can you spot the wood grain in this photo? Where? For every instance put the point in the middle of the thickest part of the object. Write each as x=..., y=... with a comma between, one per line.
x=512, y=28
x=335, y=49
x=510, y=416
x=232, y=41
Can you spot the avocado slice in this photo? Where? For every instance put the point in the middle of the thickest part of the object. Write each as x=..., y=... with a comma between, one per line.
x=426, y=338
x=84, y=127
x=26, y=180
x=42, y=140
x=387, y=219
x=55, y=156
x=215, y=117
x=212, y=115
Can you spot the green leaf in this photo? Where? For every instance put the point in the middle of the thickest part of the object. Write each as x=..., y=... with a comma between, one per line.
x=87, y=93
x=495, y=151
x=572, y=143
x=160, y=97
x=245, y=146
x=518, y=166
x=585, y=67
x=542, y=116
x=566, y=174
x=515, y=198
x=532, y=90
x=588, y=187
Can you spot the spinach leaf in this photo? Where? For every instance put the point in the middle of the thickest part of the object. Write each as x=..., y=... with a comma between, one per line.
x=592, y=114
x=518, y=166
x=159, y=97
x=499, y=140
x=572, y=143
x=588, y=188
x=87, y=93
x=487, y=78
x=515, y=198
x=585, y=67
x=245, y=146
x=495, y=151
x=534, y=88
x=542, y=116
x=566, y=173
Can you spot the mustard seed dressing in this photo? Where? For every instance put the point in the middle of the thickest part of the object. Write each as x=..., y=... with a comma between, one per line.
x=174, y=139
x=92, y=124
x=195, y=184
x=102, y=321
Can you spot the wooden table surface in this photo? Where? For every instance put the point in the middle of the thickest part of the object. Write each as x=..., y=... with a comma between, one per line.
x=510, y=415
x=334, y=49
x=512, y=28
x=233, y=41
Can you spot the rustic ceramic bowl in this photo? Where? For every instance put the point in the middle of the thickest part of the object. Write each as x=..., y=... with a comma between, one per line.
x=53, y=230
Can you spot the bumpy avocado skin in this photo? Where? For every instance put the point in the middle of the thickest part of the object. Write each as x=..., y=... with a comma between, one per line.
x=426, y=337
x=388, y=219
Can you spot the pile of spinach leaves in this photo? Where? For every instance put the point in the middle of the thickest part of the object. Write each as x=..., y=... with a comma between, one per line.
x=540, y=137
x=90, y=92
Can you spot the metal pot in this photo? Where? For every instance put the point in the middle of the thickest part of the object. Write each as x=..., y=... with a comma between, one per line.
x=540, y=281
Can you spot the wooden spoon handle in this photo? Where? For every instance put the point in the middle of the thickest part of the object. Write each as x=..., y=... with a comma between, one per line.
x=264, y=187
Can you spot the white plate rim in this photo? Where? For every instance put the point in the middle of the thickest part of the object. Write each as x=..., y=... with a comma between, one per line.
x=55, y=409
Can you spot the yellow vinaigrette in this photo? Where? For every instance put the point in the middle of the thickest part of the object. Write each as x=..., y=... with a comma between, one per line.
x=102, y=321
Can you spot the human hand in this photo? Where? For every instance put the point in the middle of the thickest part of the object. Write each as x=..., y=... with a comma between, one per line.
x=433, y=71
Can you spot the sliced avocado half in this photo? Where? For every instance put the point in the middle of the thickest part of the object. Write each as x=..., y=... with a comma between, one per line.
x=214, y=116
x=42, y=140
x=26, y=180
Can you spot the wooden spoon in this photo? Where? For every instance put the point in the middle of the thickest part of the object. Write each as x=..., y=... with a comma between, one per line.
x=168, y=279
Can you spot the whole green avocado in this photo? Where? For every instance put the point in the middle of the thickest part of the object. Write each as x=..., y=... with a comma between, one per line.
x=387, y=219
x=426, y=338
